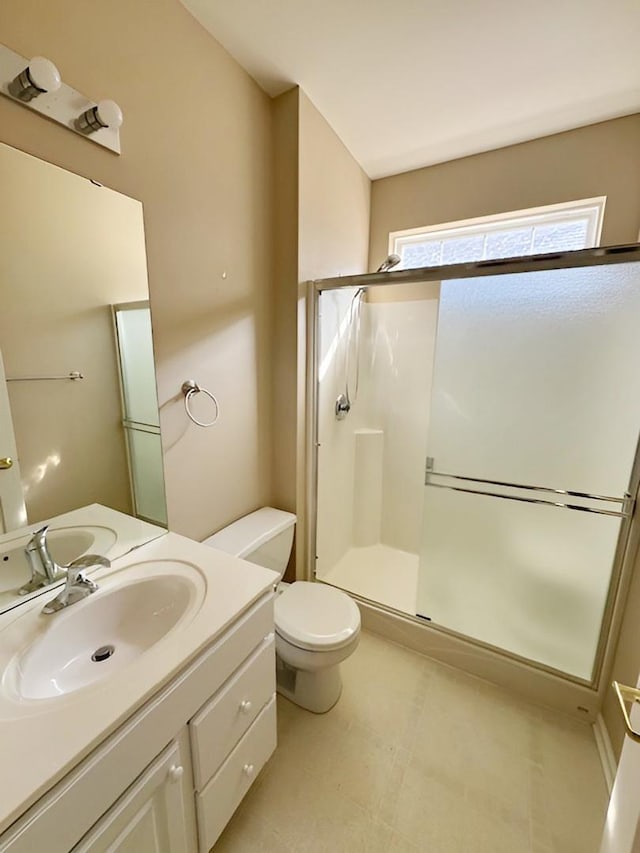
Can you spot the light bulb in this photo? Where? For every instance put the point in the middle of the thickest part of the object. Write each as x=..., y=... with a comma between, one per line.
x=109, y=114
x=40, y=76
x=106, y=114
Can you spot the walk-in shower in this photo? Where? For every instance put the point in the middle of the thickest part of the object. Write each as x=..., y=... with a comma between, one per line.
x=484, y=479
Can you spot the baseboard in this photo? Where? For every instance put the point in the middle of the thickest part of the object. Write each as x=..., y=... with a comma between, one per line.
x=605, y=751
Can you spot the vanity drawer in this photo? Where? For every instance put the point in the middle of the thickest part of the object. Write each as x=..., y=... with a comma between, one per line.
x=217, y=728
x=223, y=794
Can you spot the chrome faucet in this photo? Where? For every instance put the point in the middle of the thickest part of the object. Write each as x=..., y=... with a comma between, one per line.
x=78, y=585
x=44, y=569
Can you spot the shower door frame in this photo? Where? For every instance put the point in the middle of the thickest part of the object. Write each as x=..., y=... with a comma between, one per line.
x=588, y=693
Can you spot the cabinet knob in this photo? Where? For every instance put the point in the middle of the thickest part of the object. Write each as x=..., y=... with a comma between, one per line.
x=248, y=770
x=176, y=772
x=246, y=706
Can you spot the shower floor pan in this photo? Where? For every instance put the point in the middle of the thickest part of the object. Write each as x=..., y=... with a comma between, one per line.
x=379, y=573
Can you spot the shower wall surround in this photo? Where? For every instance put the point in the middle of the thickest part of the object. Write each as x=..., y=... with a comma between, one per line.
x=371, y=464
x=336, y=454
x=398, y=401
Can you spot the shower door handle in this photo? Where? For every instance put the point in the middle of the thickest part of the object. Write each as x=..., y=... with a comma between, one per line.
x=627, y=694
x=542, y=495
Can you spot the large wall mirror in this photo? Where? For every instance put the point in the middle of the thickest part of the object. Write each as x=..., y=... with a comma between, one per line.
x=78, y=406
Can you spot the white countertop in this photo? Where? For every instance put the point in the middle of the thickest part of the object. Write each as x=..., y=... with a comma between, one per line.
x=42, y=740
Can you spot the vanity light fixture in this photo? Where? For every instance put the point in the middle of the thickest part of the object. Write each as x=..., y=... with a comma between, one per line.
x=40, y=76
x=36, y=84
x=105, y=114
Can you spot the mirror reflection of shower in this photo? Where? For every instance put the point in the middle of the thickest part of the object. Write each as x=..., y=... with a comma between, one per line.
x=140, y=418
x=348, y=397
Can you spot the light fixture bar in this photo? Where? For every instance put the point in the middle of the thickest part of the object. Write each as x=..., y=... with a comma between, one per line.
x=63, y=104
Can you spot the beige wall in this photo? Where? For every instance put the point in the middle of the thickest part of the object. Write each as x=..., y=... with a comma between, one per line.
x=285, y=309
x=197, y=152
x=68, y=251
x=333, y=239
x=602, y=159
x=322, y=229
x=335, y=195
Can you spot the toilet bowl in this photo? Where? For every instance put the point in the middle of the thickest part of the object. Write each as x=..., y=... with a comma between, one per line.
x=317, y=626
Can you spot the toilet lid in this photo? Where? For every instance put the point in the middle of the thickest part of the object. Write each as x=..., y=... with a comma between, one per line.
x=315, y=616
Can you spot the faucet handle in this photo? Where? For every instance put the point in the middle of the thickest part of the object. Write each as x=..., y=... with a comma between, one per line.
x=76, y=577
x=89, y=561
x=77, y=585
x=77, y=568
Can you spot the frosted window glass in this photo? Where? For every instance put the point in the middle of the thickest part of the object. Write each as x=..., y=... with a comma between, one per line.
x=564, y=236
x=427, y=254
x=508, y=244
x=559, y=229
x=460, y=250
x=532, y=580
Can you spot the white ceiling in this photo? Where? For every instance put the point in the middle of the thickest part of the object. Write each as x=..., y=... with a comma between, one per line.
x=414, y=82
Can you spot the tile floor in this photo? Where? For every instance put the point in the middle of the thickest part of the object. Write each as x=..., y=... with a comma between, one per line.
x=419, y=757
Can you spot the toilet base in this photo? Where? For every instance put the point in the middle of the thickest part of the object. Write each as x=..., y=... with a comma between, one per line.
x=316, y=691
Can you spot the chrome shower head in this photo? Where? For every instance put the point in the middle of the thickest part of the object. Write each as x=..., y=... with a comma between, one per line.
x=389, y=262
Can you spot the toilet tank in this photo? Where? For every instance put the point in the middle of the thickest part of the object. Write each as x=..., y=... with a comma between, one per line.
x=264, y=537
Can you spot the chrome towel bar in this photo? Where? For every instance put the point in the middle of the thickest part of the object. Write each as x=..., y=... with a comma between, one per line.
x=75, y=374
x=626, y=502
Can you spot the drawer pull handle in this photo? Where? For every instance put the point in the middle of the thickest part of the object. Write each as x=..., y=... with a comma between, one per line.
x=176, y=772
x=246, y=706
x=248, y=770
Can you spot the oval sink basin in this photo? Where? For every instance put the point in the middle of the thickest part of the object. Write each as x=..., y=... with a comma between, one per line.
x=102, y=634
x=65, y=545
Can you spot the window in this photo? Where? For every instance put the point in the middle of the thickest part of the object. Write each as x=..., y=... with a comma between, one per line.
x=555, y=228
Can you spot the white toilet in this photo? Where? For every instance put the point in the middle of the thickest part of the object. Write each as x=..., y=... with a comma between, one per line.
x=317, y=626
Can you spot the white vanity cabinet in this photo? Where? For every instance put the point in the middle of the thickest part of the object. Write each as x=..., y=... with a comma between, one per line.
x=170, y=777
x=155, y=815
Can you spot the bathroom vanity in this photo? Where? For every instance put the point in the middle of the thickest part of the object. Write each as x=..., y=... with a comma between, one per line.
x=155, y=751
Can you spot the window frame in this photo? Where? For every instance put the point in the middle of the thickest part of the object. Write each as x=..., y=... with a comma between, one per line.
x=525, y=217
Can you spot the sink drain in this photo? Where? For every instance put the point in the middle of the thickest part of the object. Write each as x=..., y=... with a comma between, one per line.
x=103, y=653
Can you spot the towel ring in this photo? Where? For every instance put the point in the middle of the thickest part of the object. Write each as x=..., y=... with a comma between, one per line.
x=191, y=387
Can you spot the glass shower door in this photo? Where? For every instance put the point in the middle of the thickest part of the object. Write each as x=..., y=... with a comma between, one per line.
x=533, y=434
